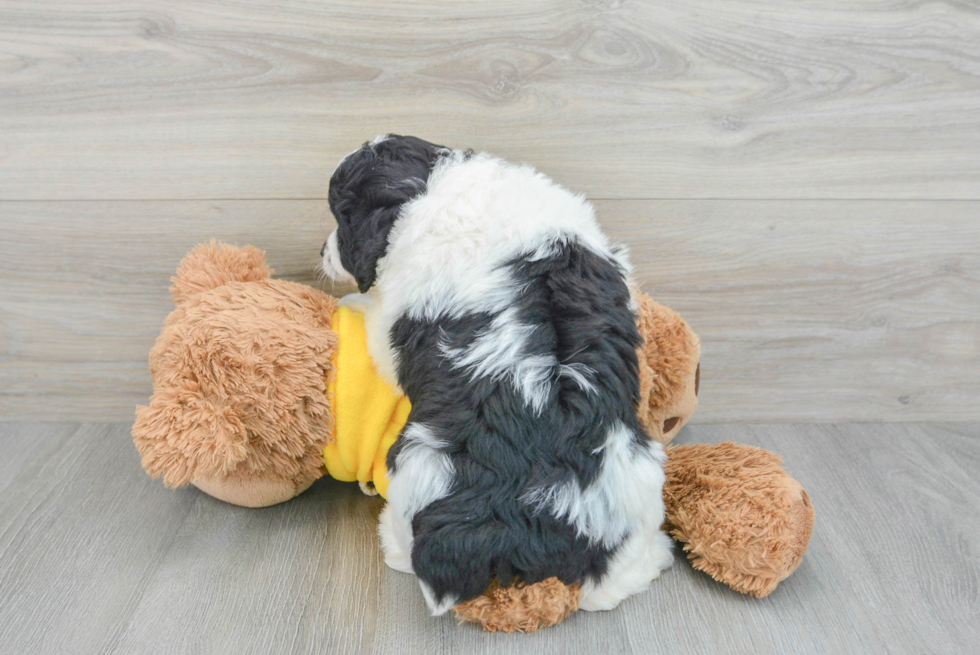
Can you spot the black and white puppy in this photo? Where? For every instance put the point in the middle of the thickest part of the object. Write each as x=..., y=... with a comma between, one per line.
x=493, y=300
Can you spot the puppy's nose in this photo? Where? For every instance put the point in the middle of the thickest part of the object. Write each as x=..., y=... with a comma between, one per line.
x=323, y=248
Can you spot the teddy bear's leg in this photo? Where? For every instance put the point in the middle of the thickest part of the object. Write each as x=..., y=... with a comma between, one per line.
x=185, y=439
x=670, y=369
x=738, y=514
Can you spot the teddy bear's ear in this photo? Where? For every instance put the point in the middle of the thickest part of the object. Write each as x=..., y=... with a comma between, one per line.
x=211, y=265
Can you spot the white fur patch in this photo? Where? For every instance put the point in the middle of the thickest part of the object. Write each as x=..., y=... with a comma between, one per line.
x=580, y=373
x=331, y=263
x=477, y=214
x=637, y=562
x=532, y=376
x=437, y=608
x=623, y=506
x=422, y=476
x=359, y=302
x=500, y=352
x=627, y=493
x=497, y=350
x=396, y=543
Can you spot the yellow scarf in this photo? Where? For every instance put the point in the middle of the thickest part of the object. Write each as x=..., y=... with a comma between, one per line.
x=368, y=413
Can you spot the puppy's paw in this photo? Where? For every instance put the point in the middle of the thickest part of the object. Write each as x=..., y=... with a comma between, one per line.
x=396, y=545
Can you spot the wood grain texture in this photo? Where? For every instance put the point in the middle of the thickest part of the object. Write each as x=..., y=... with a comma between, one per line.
x=127, y=99
x=20, y=444
x=818, y=311
x=95, y=557
x=807, y=310
x=301, y=577
x=81, y=534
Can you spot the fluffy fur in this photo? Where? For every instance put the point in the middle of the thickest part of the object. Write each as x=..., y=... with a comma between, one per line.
x=670, y=369
x=227, y=414
x=498, y=306
x=236, y=359
x=762, y=545
x=521, y=608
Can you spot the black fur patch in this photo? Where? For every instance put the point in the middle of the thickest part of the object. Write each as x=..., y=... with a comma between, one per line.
x=500, y=448
x=366, y=192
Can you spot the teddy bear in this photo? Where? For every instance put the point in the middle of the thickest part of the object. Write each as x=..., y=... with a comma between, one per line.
x=262, y=386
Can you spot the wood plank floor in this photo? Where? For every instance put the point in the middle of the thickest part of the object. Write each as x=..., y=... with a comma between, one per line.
x=95, y=557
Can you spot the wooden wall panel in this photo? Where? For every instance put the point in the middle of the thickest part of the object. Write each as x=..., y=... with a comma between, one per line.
x=191, y=99
x=808, y=310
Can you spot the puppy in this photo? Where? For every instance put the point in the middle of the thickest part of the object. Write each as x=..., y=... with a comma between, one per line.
x=496, y=304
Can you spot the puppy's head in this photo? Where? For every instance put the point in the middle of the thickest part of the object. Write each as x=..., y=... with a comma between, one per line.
x=367, y=192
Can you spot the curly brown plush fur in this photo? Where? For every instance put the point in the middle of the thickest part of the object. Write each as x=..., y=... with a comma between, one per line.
x=670, y=369
x=740, y=517
x=240, y=381
x=521, y=608
x=240, y=409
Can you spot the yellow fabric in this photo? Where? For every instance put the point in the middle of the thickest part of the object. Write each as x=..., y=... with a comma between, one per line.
x=368, y=413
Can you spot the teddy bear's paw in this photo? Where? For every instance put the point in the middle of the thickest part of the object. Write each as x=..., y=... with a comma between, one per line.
x=246, y=492
x=521, y=608
x=740, y=517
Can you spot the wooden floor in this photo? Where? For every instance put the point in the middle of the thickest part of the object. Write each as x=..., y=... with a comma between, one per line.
x=95, y=557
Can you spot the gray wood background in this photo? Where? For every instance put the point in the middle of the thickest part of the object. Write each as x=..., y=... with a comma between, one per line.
x=800, y=180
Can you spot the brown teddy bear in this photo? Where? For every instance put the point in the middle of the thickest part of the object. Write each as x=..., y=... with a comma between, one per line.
x=262, y=386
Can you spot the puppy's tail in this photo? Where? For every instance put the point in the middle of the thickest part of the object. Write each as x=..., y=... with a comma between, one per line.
x=464, y=542
x=455, y=560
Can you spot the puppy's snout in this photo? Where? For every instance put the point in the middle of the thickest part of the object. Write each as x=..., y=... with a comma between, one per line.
x=330, y=260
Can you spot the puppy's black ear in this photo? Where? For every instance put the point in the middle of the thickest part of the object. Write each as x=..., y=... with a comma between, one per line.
x=371, y=246
x=366, y=193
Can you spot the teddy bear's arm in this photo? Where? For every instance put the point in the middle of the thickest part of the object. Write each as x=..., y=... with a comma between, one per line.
x=737, y=513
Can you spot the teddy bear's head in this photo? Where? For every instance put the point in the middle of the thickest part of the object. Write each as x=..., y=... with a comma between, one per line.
x=670, y=369
x=240, y=370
